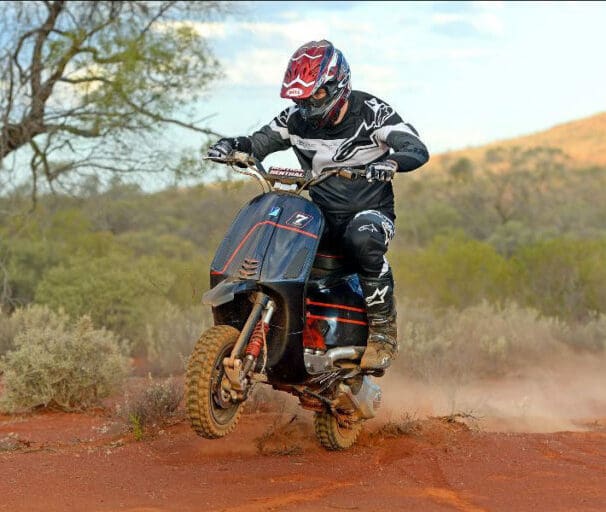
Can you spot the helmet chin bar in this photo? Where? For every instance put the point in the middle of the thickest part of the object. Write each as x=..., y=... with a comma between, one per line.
x=328, y=114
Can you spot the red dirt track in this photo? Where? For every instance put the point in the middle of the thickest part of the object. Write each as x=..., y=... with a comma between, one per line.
x=86, y=462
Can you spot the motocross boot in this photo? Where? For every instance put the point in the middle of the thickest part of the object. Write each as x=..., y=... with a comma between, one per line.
x=382, y=345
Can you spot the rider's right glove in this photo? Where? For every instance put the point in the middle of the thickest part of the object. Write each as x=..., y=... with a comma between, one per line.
x=226, y=146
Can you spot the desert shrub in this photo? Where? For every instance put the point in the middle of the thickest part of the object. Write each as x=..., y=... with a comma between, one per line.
x=171, y=335
x=8, y=330
x=453, y=271
x=563, y=277
x=31, y=317
x=479, y=341
x=589, y=336
x=155, y=406
x=510, y=236
x=114, y=291
x=421, y=224
x=28, y=261
x=70, y=366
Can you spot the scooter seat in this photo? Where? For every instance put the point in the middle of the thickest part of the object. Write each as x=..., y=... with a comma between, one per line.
x=328, y=261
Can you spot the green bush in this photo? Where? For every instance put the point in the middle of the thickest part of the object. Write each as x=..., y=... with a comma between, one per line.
x=30, y=317
x=114, y=291
x=171, y=335
x=421, y=224
x=8, y=331
x=453, y=271
x=70, y=366
x=563, y=277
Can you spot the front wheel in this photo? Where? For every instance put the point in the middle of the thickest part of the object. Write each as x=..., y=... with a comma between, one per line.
x=212, y=413
x=332, y=435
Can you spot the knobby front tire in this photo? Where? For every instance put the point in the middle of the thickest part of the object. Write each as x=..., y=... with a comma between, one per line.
x=212, y=413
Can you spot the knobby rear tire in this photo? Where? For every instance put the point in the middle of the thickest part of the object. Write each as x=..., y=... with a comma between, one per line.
x=211, y=415
x=333, y=436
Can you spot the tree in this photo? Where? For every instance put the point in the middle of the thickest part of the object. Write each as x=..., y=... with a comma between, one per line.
x=88, y=86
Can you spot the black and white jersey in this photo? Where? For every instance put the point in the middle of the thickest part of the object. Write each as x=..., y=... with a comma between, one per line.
x=371, y=130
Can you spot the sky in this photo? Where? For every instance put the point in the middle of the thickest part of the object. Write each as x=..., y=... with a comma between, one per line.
x=463, y=73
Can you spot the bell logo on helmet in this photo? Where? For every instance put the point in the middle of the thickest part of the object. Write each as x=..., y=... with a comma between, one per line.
x=294, y=92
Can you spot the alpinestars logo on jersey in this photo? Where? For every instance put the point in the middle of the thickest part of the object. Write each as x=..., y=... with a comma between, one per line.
x=349, y=147
x=282, y=118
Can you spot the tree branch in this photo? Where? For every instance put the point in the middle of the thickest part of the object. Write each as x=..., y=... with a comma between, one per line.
x=39, y=97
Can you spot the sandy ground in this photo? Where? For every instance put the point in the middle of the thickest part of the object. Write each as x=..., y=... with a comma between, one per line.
x=90, y=462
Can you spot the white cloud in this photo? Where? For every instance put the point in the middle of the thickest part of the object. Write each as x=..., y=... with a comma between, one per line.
x=382, y=81
x=491, y=5
x=258, y=67
x=484, y=22
x=301, y=31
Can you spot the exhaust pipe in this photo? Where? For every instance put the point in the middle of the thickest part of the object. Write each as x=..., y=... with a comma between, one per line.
x=324, y=362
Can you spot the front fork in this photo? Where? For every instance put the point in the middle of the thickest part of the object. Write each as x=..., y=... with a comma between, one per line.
x=243, y=357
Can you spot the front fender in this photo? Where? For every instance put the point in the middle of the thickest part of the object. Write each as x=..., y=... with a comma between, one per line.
x=225, y=291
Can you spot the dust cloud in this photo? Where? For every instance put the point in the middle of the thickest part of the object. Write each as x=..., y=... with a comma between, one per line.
x=561, y=394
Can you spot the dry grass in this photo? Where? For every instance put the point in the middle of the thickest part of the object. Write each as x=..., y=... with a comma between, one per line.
x=154, y=407
x=283, y=437
x=407, y=425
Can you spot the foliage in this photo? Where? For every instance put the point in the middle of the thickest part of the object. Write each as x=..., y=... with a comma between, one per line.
x=171, y=335
x=114, y=291
x=153, y=407
x=137, y=263
x=564, y=277
x=453, y=271
x=33, y=316
x=66, y=365
x=90, y=87
x=480, y=341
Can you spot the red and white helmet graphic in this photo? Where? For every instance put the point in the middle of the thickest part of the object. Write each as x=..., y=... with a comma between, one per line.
x=315, y=65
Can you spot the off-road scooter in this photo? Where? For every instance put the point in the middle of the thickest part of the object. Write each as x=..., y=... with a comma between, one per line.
x=284, y=315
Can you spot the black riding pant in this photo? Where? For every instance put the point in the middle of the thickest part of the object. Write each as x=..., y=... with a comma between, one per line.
x=362, y=238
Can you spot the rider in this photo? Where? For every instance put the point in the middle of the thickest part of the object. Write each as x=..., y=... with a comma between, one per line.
x=330, y=125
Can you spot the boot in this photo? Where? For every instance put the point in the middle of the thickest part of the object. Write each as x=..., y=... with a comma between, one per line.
x=382, y=345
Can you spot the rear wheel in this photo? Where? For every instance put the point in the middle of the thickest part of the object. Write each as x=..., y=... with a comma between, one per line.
x=332, y=435
x=212, y=413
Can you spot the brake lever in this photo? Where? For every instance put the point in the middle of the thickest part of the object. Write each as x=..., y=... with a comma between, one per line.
x=238, y=158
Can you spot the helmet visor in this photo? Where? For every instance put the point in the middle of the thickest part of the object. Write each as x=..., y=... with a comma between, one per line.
x=314, y=108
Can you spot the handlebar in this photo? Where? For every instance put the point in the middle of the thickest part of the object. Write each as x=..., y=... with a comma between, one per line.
x=249, y=165
x=235, y=158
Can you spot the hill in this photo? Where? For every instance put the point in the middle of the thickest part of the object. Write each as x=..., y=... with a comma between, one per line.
x=583, y=140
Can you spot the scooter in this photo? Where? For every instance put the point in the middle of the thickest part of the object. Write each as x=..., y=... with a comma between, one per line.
x=284, y=315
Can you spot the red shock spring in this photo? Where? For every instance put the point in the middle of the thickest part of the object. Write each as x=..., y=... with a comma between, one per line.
x=256, y=339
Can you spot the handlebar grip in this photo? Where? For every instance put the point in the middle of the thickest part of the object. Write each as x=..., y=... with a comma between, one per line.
x=347, y=173
x=236, y=157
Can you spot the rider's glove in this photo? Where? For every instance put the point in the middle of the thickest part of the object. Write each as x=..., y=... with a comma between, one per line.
x=381, y=171
x=226, y=146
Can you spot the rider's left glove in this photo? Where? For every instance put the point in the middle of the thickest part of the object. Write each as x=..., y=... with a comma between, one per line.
x=381, y=171
x=226, y=146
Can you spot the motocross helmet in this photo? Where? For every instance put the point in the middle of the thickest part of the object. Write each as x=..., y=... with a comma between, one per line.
x=316, y=65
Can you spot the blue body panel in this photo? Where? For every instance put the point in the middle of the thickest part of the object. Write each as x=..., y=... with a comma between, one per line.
x=279, y=231
x=273, y=242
